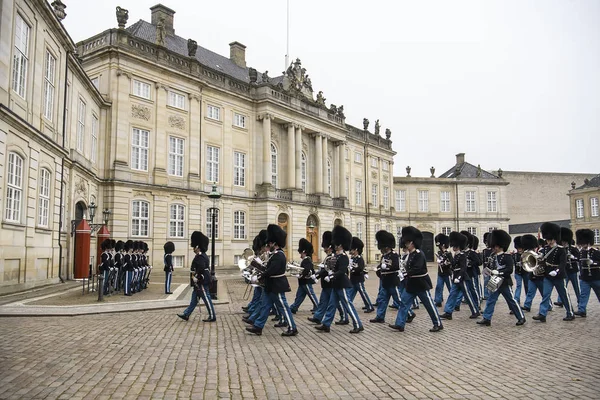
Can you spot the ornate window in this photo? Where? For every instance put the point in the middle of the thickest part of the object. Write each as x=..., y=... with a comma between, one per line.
x=359, y=230
x=94, y=150
x=21, y=55
x=470, y=201
x=400, y=200
x=139, y=149
x=594, y=206
x=213, y=112
x=239, y=120
x=579, y=207
x=49, y=71
x=141, y=89
x=472, y=230
x=239, y=169
x=209, y=223
x=386, y=197
x=239, y=225
x=140, y=218
x=176, y=100
x=44, y=198
x=14, y=188
x=423, y=200
x=212, y=163
x=80, y=126
x=176, y=220
x=358, y=192
x=492, y=203
x=374, y=199
x=176, y=146
x=445, y=202
x=273, y=165
x=446, y=230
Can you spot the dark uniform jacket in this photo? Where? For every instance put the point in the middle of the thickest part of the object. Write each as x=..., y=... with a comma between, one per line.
x=504, y=264
x=128, y=262
x=340, y=279
x=518, y=266
x=307, y=272
x=572, y=259
x=418, y=279
x=119, y=261
x=485, y=257
x=389, y=277
x=444, y=260
x=105, y=262
x=556, y=261
x=168, y=263
x=357, y=275
x=473, y=263
x=200, y=269
x=459, y=267
x=323, y=272
x=275, y=279
x=590, y=272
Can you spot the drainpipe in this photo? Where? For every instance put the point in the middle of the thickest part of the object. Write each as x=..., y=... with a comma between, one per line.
x=366, y=197
x=62, y=174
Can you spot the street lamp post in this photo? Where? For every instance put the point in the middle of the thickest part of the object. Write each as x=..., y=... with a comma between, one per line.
x=214, y=195
x=311, y=231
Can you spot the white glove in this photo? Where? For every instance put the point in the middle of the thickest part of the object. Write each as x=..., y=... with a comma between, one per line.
x=253, y=279
x=258, y=260
x=457, y=280
x=313, y=277
x=553, y=273
x=194, y=279
x=327, y=279
x=495, y=272
x=366, y=276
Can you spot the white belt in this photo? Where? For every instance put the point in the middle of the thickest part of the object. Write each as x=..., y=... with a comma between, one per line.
x=277, y=276
x=417, y=276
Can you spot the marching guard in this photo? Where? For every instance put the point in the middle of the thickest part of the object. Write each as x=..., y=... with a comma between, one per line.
x=128, y=267
x=306, y=278
x=259, y=246
x=589, y=260
x=358, y=274
x=485, y=255
x=462, y=283
x=200, y=278
x=521, y=276
x=500, y=269
x=169, y=248
x=566, y=238
x=276, y=284
x=536, y=283
x=555, y=262
x=444, y=262
x=417, y=282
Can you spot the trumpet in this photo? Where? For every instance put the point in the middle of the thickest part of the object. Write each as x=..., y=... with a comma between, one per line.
x=294, y=269
x=252, y=266
x=533, y=262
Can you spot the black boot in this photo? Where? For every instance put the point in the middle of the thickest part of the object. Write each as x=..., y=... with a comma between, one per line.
x=254, y=329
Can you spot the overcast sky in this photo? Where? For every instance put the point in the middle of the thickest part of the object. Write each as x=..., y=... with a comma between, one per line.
x=514, y=84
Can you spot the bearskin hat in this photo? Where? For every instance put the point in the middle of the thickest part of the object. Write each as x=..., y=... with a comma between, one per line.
x=113, y=243
x=145, y=247
x=326, y=240
x=105, y=245
x=199, y=240
x=136, y=245
x=305, y=246
x=385, y=239
x=541, y=242
x=485, y=239
x=256, y=244
x=169, y=247
x=442, y=240
x=517, y=242
x=119, y=245
x=475, y=245
x=357, y=245
x=500, y=238
x=469, y=238
x=276, y=235
x=341, y=236
x=412, y=234
x=566, y=235
x=459, y=240
x=128, y=245
x=529, y=242
x=584, y=236
x=550, y=231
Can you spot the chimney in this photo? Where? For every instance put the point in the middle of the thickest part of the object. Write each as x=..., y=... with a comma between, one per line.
x=460, y=158
x=159, y=11
x=237, y=54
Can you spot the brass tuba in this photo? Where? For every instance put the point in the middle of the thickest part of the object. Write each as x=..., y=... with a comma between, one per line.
x=294, y=269
x=533, y=262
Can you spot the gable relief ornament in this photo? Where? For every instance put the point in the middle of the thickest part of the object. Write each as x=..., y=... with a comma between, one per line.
x=140, y=194
x=81, y=187
x=283, y=208
x=374, y=175
x=304, y=146
x=385, y=177
x=177, y=121
x=313, y=210
x=140, y=111
x=180, y=198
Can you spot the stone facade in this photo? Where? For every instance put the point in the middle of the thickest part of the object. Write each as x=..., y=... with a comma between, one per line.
x=585, y=207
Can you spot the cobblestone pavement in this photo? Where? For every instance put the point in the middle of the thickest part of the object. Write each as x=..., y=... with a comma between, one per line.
x=153, y=354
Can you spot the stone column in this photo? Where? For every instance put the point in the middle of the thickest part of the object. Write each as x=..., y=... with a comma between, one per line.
x=299, y=158
x=291, y=157
x=342, y=176
x=335, y=170
x=319, y=163
x=266, y=120
x=324, y=163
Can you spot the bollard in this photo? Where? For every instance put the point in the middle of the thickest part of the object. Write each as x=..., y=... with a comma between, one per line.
x=100, y=287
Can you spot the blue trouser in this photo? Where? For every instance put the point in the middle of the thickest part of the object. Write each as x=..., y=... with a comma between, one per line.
x=381, y=297
x=456, y=292
x=168, y=277
x=301, y=293
x=574, y=279
x=407, y=298
x=506, y=291
x=106, y=273
x=549, y=285
x=278, y=300
x=258, y=290
x=127, y=282
x=522, y=281
x=534, y=284
x=477, y=287
x=439, y=288
x=204, y=292
x=324, y=302
x=359, y=287
x=486, y=292
x=393, y=292
x=340, y=296
x=586, y=288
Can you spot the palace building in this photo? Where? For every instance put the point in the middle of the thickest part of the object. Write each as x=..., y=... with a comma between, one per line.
x=143, y=123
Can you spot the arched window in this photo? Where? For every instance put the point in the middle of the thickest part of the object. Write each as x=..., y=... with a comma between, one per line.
x=44, y=197
x=14, y=188
x=176, y=220
x=303, y=178
x=329, y=177
x=140, y=217
x=273, y=165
